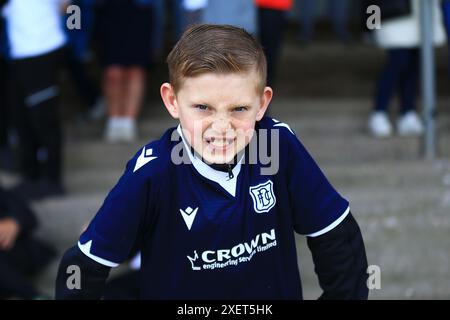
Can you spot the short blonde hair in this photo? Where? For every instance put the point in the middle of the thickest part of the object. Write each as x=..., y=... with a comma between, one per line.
x=221, y=49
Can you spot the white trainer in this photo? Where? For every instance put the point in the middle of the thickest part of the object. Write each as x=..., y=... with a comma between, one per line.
x=128, y=130
x=121, y=129
x=379, y=125
x=410, y=125
x=112, y=133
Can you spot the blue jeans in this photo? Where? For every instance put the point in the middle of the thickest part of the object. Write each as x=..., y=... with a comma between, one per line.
x=400, y=73
x=446, y=14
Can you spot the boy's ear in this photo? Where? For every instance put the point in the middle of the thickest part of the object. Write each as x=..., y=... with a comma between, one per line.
x=170, y=100
x=265, y=101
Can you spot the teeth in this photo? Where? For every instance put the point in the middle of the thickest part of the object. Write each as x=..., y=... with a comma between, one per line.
x=219, y=142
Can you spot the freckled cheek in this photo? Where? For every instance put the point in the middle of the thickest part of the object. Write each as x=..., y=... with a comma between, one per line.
x=245, y=131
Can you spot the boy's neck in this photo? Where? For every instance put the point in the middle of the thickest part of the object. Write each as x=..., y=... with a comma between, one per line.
x=224, y=167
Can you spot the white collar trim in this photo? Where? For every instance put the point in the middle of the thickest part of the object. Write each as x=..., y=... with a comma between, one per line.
x=211, y=174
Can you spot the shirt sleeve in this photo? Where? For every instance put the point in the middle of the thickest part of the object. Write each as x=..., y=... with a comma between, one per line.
x=117, y=228
x=317, y=206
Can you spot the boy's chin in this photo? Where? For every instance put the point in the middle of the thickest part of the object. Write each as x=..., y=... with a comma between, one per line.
x=218, y=158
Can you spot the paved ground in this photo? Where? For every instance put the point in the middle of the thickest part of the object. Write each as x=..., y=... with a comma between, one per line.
x=401, y=201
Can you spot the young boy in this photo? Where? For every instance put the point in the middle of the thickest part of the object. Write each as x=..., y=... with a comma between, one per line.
x=211, y=218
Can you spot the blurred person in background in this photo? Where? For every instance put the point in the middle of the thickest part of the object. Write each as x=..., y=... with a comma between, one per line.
x=21, y=254
x=157, y=38
x=446, y=14
x=239, y=13
x=36, y=40
x=185, y=13
x=5, y=150
x=271, y=27
x=400, y=36
x=78, y=58
x=338, y=12
x=193, y=12
x=125, y=32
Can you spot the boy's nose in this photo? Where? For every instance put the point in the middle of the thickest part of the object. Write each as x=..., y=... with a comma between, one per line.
x=221, y=125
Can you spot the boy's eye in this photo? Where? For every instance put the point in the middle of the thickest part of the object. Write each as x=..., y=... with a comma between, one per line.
x=240, y=109
x=201, y=107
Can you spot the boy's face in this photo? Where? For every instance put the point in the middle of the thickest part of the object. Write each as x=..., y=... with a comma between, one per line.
x=218, y=112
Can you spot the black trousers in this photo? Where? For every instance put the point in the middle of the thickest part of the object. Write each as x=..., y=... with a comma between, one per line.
x=4, y=117
x=34, y=103
x=28, y=257
x=12, y=282
x=84, y=84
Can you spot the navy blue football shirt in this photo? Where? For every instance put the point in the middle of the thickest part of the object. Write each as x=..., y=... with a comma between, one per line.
x=207, y=234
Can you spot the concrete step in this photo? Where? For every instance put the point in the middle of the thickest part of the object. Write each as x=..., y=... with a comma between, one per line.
x=411, y=174
x=332, y=149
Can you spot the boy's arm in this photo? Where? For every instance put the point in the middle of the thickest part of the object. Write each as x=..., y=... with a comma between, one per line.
x=116, y=231
x=92, y=277
x=323, y=215
x=340, y=261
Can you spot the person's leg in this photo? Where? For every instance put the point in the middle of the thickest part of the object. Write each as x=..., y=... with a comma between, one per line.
x=3, y=105
x=30, y=255
x=113, y=87
x=446, y=18
x=115, y=91
x=389, y=78
x=158, y=29
x=307, y=14
x=12, y=282
x=6, y=152
x=409, y=122
x=134, y=91
x=408, y=82
x=78, y=54
x=271, y=28
x=379, y=124
x=179, y=19
x=338, y=12
x=84, y=84
x=42, y=103
x=28, y=144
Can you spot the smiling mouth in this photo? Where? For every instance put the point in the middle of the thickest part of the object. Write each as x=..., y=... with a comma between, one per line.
x=219, y=143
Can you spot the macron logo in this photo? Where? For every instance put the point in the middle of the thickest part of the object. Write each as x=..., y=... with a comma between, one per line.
x=144, y=158
x=281, y=124
x=188, y=215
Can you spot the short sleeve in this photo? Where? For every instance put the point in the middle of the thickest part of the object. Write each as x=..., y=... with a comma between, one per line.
x=317, y=206
x=117, y=227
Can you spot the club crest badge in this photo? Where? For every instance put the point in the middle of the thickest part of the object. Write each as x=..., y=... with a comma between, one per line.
x=263, y=196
